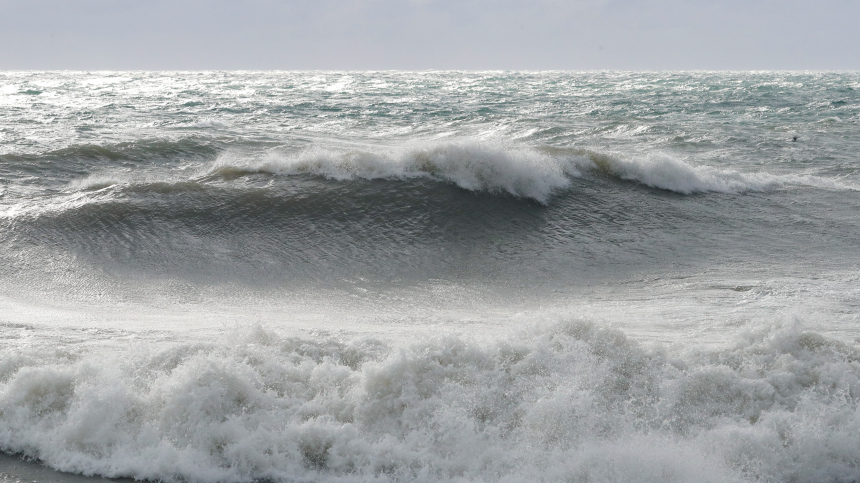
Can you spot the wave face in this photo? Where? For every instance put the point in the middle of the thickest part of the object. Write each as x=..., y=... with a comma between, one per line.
x=450, y=210
x=438, y=276
x=568, y=401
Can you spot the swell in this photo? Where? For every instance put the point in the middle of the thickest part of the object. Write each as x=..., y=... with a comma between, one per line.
x=565, y=402
x=529, y=173
x=436, y=211
x=305, y=227
x=77, y=161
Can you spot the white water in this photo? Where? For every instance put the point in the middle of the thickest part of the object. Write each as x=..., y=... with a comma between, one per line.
x=499, y=167
x=558, y=402
x=664, y=172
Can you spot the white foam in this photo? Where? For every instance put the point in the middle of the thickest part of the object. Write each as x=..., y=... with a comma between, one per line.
x=209, y=123
x=668, y=173
x=565, y=402
x=95, y=182
x=517, y=170
x=495, y=168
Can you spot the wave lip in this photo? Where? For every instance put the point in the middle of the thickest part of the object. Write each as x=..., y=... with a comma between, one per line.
x=521, y=172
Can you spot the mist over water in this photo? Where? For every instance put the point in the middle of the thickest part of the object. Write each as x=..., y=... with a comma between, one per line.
x=431, y=276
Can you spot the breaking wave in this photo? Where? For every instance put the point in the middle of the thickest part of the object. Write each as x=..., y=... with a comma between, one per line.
x=521, y=172
x=315, y=214
x=526, y=172
x=566, y=402
x=536, y=174
x=665, y=172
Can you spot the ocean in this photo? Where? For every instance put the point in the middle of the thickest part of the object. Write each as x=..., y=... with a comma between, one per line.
x=430, y=276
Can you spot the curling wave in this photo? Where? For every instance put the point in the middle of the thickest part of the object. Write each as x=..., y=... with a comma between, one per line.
x=536, y=173
x=521, y=172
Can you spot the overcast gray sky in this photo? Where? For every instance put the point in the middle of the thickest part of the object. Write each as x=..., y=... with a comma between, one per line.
x=430, y=34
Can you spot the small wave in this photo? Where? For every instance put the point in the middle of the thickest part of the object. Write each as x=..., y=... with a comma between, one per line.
x=189, y=147
x=212, y=123
x=565, y=402
x=124, y=185
x=76, y=157
x=94, y=182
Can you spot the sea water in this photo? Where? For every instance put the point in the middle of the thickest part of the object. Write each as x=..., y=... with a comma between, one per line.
x=431, y=276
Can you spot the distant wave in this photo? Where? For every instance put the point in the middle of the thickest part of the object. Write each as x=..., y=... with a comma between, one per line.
x=192, y=147
x=568, y=402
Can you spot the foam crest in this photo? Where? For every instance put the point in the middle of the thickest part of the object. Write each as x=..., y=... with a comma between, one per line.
x=516, y=170
x=664, y=172
x=95, y=182
x=493, y=168
x=565, y=402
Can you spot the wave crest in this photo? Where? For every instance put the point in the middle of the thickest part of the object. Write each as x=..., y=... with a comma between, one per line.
x=667, y=173
x=524, y=172
x=535, y=173
x=521, y=172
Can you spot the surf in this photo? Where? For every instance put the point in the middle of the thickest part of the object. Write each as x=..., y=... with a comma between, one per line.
x=556, y=401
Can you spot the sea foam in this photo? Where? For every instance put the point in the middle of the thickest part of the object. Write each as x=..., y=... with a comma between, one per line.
x=522, y=171
x=500, y=168
x=665, y=172
x=495, y=168
x=566, y=402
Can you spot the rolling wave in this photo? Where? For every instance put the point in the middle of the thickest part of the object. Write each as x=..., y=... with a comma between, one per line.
x=522, y=172
x=535, y=173
x=437, y=210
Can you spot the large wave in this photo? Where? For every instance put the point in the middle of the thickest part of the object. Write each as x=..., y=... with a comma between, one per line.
x=412, y=212
x=526, y=172
x=517, y=171
x=565, y=402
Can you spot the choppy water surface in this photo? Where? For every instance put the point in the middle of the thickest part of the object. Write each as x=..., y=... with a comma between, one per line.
x=431, y=276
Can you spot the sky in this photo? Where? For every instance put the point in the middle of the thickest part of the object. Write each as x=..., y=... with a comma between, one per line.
x=430, y=34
